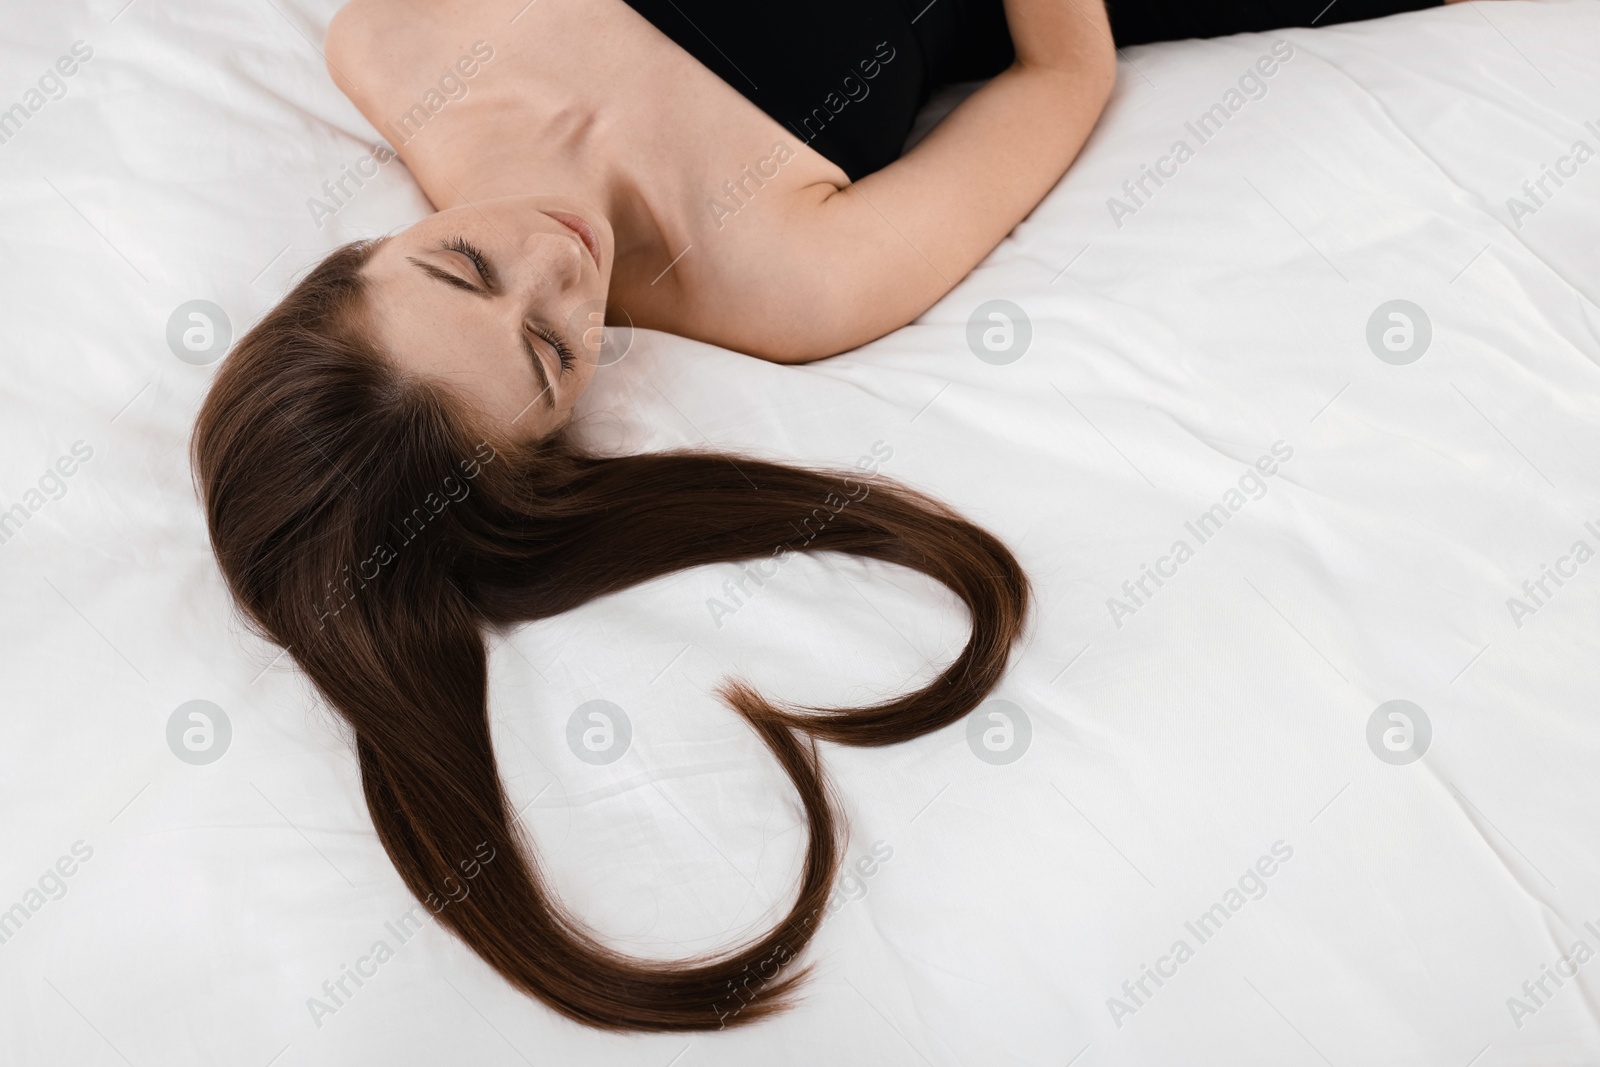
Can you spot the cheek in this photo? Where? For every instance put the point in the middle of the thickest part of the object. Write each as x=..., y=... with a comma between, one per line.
x=581, y=377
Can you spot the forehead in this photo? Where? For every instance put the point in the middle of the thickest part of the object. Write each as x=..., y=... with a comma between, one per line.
x=388, y=258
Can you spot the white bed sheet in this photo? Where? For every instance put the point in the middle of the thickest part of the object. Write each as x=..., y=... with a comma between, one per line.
x=1172, y=746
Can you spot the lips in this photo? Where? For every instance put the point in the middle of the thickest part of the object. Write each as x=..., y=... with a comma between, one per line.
x=585, y=232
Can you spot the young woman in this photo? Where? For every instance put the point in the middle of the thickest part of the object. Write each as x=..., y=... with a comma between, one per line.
x=383, y=457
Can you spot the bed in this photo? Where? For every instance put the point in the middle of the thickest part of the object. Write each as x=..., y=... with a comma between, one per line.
x=1317, y=787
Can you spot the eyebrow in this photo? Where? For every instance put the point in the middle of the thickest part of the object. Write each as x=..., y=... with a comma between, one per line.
x=446, y=277
x=547, y=394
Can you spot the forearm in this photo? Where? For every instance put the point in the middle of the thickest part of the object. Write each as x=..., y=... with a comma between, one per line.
x=920, y=225
x=982, y=169
x=890, y=245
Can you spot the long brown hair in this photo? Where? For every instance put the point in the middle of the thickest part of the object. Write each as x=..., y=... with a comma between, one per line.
x=363, y=525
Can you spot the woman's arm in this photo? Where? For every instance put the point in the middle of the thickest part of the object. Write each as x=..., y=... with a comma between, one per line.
x=879, y=252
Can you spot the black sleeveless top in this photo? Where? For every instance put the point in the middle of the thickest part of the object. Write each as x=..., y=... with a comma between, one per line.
x=845, y=76
x=848, y=76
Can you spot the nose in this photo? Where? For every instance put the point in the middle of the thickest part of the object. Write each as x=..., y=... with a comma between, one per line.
x=555, y=259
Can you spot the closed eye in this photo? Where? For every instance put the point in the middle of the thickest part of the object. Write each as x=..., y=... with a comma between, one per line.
x=546, y=394
x=480, y=262
x=553, y=339
x=480, y=265
x=484, y=272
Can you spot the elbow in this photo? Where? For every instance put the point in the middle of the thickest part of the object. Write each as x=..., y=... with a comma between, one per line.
x=792, y=348
x=815, y=343
x=1100, y=68
x=784, y=342
x=837, y=319
x=1093, y=77
x=1087, y=71
x=1104, y=78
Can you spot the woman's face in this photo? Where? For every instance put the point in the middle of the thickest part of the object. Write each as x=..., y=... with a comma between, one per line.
x=501, y=301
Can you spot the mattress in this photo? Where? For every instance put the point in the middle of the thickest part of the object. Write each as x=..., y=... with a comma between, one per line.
x=1286, y=398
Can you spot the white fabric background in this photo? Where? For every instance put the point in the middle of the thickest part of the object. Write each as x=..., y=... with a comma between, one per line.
x=1167, y=754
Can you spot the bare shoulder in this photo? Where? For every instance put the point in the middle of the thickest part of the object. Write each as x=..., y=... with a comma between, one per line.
x=371, y=45
x=820, y=266
x=834, y=268
x=362, y=34
x=739, y=268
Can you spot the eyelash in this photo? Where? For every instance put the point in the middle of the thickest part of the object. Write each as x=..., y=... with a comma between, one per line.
x=554, y=341
x=481, y=264
x=470, y=250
